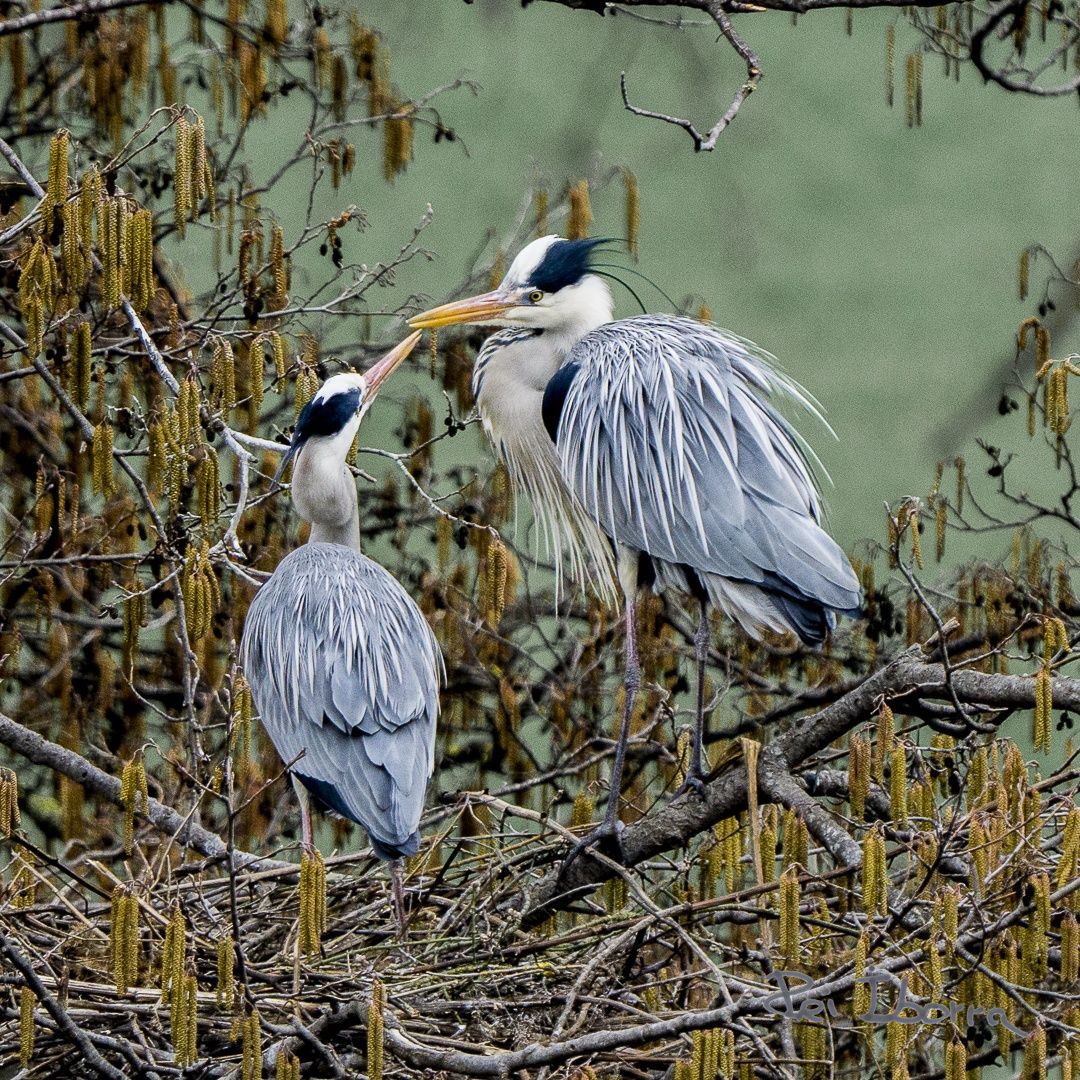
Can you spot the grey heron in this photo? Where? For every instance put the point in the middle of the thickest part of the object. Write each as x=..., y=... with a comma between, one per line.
x=655, y=436
x=344, y=669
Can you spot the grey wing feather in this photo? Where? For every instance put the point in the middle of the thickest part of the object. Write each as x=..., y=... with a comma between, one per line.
x=345, y=671
x=668, y=439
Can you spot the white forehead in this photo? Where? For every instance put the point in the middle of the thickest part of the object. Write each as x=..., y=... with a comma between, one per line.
x=528, y=259
x=339, y=384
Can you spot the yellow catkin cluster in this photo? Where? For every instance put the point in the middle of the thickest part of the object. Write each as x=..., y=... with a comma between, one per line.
x=188, y=405
x=39, y=282
x=883, y=744
x=256, y=379
x=138, y=276
x=56, y=190
x=73, y=262
x=1036, y=947
x=979, y=851
x=26, y=1026
x=916, y=538
x=582, y=810
x=1056, y=396
x=134, y=795
x=768, y=837
x=287, y=1067
x=183, y=172
x=955, y=1060
x=339, y=86
x=226, y=985
x=433, y=350
x=200, y=589
x=24, y=882
x=814, y=1038
x=280, y=356
x=276, y=26
x=375, y=1031
x=1070, y=948
x=17, y=56
x=941, y=520
x=124, y=938
x=616, y=893
x=890, y=63
x=898, y=786
x=307, y=377
x=704, y=1055
x=961, y=467
x=875, y=874
x=223, y=377
x=133, y=612
x=278, y=269
x=859, y=775
x=113, y=248
x=43, y=501
x=1055, y=638
x=208, y=490
x=312, y=903
x=242, y=716
x=397, y=139
x=494, y=591
x=976, y=778
x=683, y=745
x=184, y=1022
x=1043, y=712
x=9, y=802
x=80, y=367
x=101, y=457
x=788, y=904
x=541, y=226
x=914, y=89
x=632, y=212
x=1034, y=1063
x=796, y=840
x=579, y=217
x=173, y=954
x=248, y=1029
x=1069, y=860
x=892, y=541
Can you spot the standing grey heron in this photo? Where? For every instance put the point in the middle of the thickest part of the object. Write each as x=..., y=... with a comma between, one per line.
x=654, y=436
x=344, y=669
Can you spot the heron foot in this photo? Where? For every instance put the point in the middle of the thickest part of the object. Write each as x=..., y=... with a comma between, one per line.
x=694, y=782
x=606, y=838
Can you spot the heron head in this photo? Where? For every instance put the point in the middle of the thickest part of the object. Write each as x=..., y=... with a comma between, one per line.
x=335, y=412
x=548, y=287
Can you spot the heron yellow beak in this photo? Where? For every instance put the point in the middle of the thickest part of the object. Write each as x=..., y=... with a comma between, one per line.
x=477, y=309
x=382, y=369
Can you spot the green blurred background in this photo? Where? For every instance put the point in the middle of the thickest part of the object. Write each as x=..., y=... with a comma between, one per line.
x=878, y=262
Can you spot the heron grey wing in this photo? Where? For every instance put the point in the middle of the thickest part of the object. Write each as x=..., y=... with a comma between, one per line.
x=674, y=451
x=345, y=671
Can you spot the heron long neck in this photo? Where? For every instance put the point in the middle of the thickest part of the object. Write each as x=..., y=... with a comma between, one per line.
x=324, y=492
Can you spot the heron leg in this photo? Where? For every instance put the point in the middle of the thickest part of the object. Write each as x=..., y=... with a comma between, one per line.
x=610, y=826
x=397, y=888
x=304, y=800
x=695, y=774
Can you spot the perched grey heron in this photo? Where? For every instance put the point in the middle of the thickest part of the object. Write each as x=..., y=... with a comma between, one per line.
x=655, y=436
x=344, y=669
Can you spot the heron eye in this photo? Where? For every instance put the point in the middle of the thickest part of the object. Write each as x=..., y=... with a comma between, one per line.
x=536, y=296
